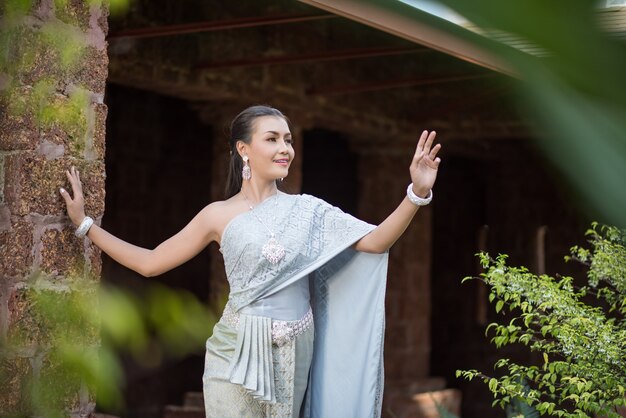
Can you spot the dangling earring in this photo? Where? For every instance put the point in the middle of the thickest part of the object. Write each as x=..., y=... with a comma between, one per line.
x=245, y=172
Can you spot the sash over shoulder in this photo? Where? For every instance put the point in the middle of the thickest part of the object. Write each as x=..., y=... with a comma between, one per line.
x=347, y=298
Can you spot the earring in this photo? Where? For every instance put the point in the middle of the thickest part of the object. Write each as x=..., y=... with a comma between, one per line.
x=245, y=172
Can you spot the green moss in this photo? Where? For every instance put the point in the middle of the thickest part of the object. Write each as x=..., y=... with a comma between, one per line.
x=56, y=47
x=5, y=47
x=19, y=47
x=15, y=373
x=67, y=42
x=15, y=9
x=58, y=385
x=55, y=50
x=74, y=12
x=50, y=109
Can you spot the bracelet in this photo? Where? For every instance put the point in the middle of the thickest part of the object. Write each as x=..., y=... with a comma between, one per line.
x=84, y=226
x=415, y=199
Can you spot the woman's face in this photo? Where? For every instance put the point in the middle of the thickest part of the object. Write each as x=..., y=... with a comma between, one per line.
x=270, y=151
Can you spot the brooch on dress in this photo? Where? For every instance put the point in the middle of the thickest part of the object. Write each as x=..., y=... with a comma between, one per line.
x=272, y=250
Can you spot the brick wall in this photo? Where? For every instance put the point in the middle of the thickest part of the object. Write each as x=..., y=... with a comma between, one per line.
x=38, y=249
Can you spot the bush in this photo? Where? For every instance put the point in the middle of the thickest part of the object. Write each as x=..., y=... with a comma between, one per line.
x=583, y=345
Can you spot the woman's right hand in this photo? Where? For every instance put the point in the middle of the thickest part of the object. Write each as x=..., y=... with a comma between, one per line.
x=76, y=205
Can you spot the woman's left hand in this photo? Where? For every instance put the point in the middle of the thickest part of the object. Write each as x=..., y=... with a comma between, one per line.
x=425, y=164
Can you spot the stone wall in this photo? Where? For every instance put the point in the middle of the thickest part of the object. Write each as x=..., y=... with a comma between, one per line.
x=38, y=250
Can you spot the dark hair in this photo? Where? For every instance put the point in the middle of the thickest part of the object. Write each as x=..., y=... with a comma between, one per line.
x=241, y=129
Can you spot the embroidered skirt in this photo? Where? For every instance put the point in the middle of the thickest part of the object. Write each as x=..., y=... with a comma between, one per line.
x=291, y=361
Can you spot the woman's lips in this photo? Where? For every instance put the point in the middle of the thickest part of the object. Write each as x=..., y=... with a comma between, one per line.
x=284, y=163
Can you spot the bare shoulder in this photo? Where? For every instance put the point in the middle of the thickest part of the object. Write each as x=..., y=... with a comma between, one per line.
x=212, y=208
x=214, y=212
x=218, y=214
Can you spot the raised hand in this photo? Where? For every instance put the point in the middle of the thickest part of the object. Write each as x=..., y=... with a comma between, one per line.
x=425, y=163
x=76, y=205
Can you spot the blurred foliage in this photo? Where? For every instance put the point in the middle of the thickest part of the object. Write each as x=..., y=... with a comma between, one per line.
x=582, y=345
x=13, y=10
x=577, y=94
x=78, y=329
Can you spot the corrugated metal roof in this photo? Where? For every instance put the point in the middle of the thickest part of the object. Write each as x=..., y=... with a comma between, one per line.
x=612, y=20
x=514, y=41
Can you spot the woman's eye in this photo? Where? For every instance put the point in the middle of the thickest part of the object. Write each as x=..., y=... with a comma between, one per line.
x=289, y=141
x=271, y=139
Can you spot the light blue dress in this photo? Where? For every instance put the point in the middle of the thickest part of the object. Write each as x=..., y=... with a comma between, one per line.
x=331, y=369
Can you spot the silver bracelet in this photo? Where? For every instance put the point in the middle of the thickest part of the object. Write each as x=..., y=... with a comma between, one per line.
x=415, y=199
x=84, y=226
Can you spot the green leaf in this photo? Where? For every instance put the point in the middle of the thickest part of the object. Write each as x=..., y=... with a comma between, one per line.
x=493, y=384
x=499, y=305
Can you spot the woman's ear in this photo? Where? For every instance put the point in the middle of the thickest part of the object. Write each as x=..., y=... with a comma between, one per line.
x=242, y=148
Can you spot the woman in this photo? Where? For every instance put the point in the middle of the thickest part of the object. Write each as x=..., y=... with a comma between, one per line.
x=291, y=261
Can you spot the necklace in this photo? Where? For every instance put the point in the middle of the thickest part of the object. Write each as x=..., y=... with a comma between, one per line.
x=272, y=250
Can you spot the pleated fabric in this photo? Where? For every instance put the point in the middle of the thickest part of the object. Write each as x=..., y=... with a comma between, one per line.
x=250, y=365
x=290, y=364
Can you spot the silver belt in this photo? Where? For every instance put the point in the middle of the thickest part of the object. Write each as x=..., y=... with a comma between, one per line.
x=282, y=331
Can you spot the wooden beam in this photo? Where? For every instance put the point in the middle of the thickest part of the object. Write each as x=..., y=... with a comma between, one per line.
x=391, y=84
x=337, y=55
x=415, y=26
x=215, y=25
x=485, y=96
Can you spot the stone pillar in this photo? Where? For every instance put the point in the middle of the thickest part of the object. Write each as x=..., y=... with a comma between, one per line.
x=51, y=117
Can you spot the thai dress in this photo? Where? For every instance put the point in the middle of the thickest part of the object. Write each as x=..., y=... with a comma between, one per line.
x=301, y=337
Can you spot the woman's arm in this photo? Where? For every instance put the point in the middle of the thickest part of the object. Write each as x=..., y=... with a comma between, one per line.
x=423, y=170
x=169, y=254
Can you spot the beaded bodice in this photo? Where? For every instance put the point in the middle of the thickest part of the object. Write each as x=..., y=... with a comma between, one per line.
x=307, y=227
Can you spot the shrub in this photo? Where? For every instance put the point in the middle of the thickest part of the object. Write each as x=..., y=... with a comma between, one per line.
x=582, y=344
